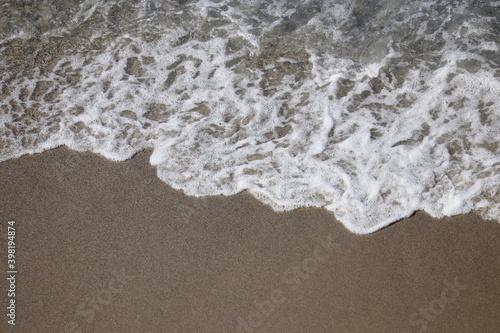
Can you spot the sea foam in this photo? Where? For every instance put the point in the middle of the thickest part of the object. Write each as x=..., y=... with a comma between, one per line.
x=372, y=110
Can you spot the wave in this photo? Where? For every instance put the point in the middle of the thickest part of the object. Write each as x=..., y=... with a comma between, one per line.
x=370, y=109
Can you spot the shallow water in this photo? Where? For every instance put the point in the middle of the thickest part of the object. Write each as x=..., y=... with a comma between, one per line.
x=371, y=109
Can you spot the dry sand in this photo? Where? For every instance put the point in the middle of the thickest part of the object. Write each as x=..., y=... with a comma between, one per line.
x=107, y=247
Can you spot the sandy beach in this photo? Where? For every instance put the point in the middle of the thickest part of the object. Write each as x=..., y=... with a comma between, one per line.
x=105, y=246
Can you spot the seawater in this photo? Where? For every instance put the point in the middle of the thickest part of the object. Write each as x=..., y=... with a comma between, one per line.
x=370, y=109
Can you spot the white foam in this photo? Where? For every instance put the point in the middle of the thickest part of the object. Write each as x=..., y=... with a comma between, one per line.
x=424, y=140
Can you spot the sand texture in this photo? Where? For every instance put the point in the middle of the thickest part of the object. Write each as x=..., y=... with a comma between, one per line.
x=107, y=247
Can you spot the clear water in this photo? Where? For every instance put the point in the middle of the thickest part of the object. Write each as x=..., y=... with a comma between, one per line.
x=370, y=109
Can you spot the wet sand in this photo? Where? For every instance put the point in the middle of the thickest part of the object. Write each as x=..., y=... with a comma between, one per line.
x=107, y=247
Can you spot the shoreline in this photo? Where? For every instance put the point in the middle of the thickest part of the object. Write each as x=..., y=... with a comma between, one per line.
x=148, y=152
x=106, y=246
